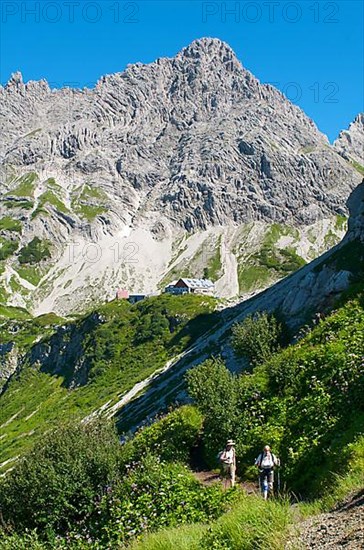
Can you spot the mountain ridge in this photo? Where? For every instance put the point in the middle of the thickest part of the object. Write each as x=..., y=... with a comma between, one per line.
x=158, y=155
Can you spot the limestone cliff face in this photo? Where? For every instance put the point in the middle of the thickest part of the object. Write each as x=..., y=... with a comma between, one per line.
x=153, y=154
x=195, y=140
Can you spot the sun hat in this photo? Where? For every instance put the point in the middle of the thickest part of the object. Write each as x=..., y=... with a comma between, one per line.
x=230, y=442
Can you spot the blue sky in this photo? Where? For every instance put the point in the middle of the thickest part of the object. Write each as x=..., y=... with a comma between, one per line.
x=311, y=50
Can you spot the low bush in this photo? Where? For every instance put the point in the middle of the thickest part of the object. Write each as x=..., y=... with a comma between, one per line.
x=70, y=488
x=7, y=248
x=34, y=252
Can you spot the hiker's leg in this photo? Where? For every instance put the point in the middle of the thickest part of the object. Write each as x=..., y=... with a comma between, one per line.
x=222, y=472
x=226, y=475
x=232, y=475
x=264, y=484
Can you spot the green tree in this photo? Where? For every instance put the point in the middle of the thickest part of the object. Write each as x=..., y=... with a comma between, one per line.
x=152, y=326
x=214, y=389
x=171, y=437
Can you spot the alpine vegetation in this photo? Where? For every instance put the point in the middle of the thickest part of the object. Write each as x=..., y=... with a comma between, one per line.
x=181, y=314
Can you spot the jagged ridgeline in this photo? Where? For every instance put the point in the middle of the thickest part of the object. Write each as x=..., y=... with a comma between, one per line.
x=187, y=166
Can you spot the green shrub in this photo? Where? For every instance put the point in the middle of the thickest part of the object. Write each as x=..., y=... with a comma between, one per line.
x=72, y=493
x=57, y=482
x=154, y=495
x=214, y=389
x=257, y=337
x=152, y=325
x=7, y=248
x=26, y=541
x=171, y=438
x=32, y=541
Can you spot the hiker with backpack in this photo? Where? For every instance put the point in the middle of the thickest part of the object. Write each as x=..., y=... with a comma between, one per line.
x=227, y=459
x=266, y=462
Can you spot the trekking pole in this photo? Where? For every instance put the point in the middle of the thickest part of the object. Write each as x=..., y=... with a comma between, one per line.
x=279, y=477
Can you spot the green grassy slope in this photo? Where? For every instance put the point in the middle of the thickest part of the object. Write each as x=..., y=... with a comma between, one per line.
x=78, y=366
x=306, y=401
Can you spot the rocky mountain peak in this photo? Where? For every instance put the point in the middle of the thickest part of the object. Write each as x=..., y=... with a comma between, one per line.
x=350, y=143
x=359, y=120
x=15, y=79
x=209, y=48
x=15, y=82
x=211, y=64
x=180, y=146
x=16, y=86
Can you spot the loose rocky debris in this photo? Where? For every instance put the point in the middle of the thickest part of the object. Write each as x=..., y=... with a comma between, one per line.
x=341, y=528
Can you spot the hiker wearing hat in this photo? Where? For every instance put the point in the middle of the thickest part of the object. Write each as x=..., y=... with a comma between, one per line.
x=228, y=461
x=266, y=462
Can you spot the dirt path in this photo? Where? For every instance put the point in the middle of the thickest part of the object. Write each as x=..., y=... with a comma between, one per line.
x=207, y=477
x=341, y=528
